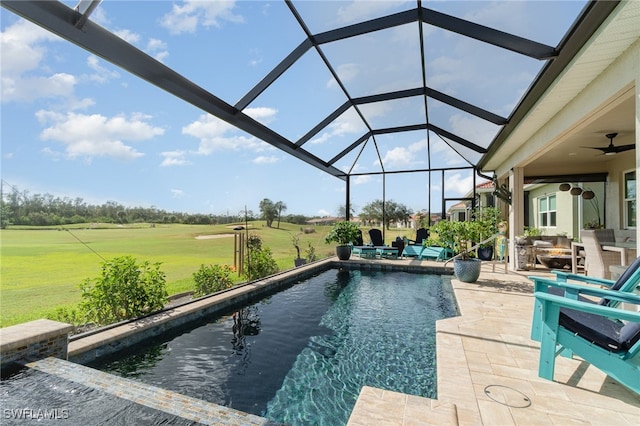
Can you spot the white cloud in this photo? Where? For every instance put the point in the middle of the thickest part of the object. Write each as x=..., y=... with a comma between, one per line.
x=22, y=54
x=177, y=193
x=88, y=136
x=362, y=179
x=188, y=15
x=127, y=35
x=102, y=74
x=347, y=123
x=346, y=73
x=404, y=156
x=323, y=213
x=215, y=134
x=265, y=159
x=363, y=10
x=174, y=158
x=264, y=115
x=21, y=47
x=457, y=184
x=157, y=49
x=443, y=152
x=27, y=89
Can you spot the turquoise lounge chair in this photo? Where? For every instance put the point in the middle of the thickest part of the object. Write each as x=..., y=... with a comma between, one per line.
x=592, y=331
x=361, y=250
x=626, y=283
x=437, y=253
x=579, y=318
x=414, y=248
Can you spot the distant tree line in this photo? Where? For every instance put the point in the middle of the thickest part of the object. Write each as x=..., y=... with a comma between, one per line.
x=23, y=208
x=392, y=212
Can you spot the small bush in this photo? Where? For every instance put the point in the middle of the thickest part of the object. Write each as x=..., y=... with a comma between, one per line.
x=259, y=262
x=68, y=315
x=310, y=253
x=212, y=278
x=124, y=290
x=308, y=230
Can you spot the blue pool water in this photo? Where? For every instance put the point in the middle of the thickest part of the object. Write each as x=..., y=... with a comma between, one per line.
x=301, y=356
x=31, y=397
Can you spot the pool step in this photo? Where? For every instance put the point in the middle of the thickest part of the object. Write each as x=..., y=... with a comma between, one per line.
x=189, y=408
x=378, y=406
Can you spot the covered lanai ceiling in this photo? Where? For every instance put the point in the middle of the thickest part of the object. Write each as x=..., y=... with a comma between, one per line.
x=364, y=87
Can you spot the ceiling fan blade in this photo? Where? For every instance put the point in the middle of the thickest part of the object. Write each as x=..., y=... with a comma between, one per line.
x=612, y=148
x=605, y=149
x=623, y=148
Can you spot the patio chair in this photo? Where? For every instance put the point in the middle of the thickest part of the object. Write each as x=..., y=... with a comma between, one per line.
x=594, y=332
x=437, y=253
x=383, y=250
x=597, y=260
x=376, y=237
x=414, y=248
x=421, y=235
x=626, y=283
x=361, y=250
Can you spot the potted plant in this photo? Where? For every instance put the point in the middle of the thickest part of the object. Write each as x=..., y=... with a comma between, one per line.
x=343, y=233
x=487, y=220
x=465, y=266
x=298, y=261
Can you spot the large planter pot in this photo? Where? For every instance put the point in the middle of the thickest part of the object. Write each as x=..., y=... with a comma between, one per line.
x=343, y=252
x=467, y=270
x=299, y=261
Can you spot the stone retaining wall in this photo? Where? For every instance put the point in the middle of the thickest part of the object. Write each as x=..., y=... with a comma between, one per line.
x=33, y=340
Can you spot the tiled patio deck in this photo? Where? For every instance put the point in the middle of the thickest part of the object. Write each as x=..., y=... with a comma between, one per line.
x=487, y=368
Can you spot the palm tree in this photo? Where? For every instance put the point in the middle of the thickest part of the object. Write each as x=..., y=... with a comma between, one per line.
x=280, y=206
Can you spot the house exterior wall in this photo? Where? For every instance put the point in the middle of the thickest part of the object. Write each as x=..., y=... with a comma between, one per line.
x=620, y=78
x=566, y=210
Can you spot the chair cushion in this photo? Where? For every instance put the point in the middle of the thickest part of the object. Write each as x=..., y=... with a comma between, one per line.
x=601, y=331
x=630, y=334
x=541, y=243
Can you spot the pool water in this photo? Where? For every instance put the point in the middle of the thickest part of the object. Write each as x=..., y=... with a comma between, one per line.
x=32, y=397
x=301, y=356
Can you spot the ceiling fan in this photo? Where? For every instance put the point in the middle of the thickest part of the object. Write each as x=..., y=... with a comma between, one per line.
x=612, y=149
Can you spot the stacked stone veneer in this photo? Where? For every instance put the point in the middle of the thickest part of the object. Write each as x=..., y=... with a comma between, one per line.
x=33, y=340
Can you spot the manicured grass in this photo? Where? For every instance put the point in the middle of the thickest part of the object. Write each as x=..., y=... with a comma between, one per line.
x=41, y=269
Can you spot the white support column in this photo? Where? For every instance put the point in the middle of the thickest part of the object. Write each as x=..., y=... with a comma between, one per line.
x=637, y=115
x=516, y=212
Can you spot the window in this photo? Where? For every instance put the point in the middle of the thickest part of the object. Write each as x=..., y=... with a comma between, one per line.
x=547, y=211
x=629, y=207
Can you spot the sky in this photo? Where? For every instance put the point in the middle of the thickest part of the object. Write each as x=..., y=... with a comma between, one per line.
x=74, y=125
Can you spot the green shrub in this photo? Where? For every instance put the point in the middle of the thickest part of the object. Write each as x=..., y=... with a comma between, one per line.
x=71, y=316
x=260, y=262
x=310, y=253
x=212, y=278
x=124, y=290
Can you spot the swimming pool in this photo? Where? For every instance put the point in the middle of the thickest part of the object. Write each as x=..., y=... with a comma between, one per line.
x=300, y=356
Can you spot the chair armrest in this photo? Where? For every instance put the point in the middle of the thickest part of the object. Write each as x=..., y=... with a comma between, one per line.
x=614, y=313
x=572, y=290
x=564, y=276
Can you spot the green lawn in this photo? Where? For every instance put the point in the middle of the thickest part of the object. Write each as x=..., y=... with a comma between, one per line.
x=41, y=269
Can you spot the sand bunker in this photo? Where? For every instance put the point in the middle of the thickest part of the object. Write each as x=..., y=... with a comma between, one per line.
x=210, y=237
